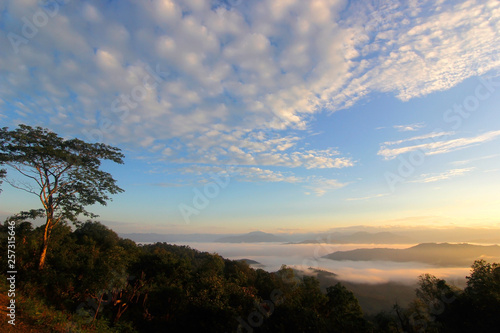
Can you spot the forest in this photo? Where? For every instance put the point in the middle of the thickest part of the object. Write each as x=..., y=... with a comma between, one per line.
x=95, y=281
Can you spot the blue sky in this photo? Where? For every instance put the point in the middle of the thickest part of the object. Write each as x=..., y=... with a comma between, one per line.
x=267, y=115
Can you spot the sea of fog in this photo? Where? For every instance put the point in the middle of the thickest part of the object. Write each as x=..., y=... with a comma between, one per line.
x=306, y=256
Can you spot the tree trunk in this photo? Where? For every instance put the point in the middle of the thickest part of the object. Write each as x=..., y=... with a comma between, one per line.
x=45, y=243
x=98, y=306
x=43, y=254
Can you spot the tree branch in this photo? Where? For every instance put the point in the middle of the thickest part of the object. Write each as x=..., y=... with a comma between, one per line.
x=22, y=172
x=29, y=189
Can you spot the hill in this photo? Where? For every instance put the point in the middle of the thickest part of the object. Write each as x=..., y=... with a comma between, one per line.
x=443, y=254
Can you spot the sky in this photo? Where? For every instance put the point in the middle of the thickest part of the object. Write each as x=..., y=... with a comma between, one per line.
x=282, y=116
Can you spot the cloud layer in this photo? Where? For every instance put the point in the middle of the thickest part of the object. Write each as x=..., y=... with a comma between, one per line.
x=207, y=83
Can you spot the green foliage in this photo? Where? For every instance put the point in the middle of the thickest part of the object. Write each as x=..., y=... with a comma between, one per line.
x=343, y=311
x=42, y=315
x=385, y=323
x=440, y=307
x=106, y=284
x=479, y=307
x=69, y=169
x=484, y=280
x=63, y=173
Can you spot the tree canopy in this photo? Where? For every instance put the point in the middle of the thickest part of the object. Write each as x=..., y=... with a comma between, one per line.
x=63, y=173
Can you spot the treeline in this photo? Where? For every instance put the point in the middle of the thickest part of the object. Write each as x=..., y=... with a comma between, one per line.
x=94, y=280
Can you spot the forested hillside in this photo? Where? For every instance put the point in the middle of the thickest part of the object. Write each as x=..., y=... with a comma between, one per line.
x=444, y=254
x=95, y=281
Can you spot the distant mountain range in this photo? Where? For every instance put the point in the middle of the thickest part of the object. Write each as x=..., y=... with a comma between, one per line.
x=443, y=254
x=169, y=238
x=251, y=237
x=352, y=235
x=362, y=237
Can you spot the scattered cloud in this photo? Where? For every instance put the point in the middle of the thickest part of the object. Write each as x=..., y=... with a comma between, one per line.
x=431, y=135
x=429, y=178
x=254, y=174
x=433, y=147
x=315, y=184
x=320, y=186
x=411, y=127
x=368, y=197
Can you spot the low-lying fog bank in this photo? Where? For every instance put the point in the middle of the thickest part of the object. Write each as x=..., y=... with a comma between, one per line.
x=304, y=256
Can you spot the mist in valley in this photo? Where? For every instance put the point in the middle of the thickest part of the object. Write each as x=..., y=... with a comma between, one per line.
x=305, y=257
x=378, y=285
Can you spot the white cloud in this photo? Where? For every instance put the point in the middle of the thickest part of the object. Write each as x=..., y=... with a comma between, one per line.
x=432, y=147
x=258, y=148
x=429, y=178
x=90, y=13
x=432, y=135
x=410, y=127
x=368, y=197
x=320, y=185
x=254, y=174
x=316, y=184
x=416, y=54
x=246, y=174
x=257, y=67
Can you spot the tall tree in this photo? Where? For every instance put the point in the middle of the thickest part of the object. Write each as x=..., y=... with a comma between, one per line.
x=64, y=173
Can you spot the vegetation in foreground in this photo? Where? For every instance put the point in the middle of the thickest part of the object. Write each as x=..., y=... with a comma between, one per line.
x=95, y=281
